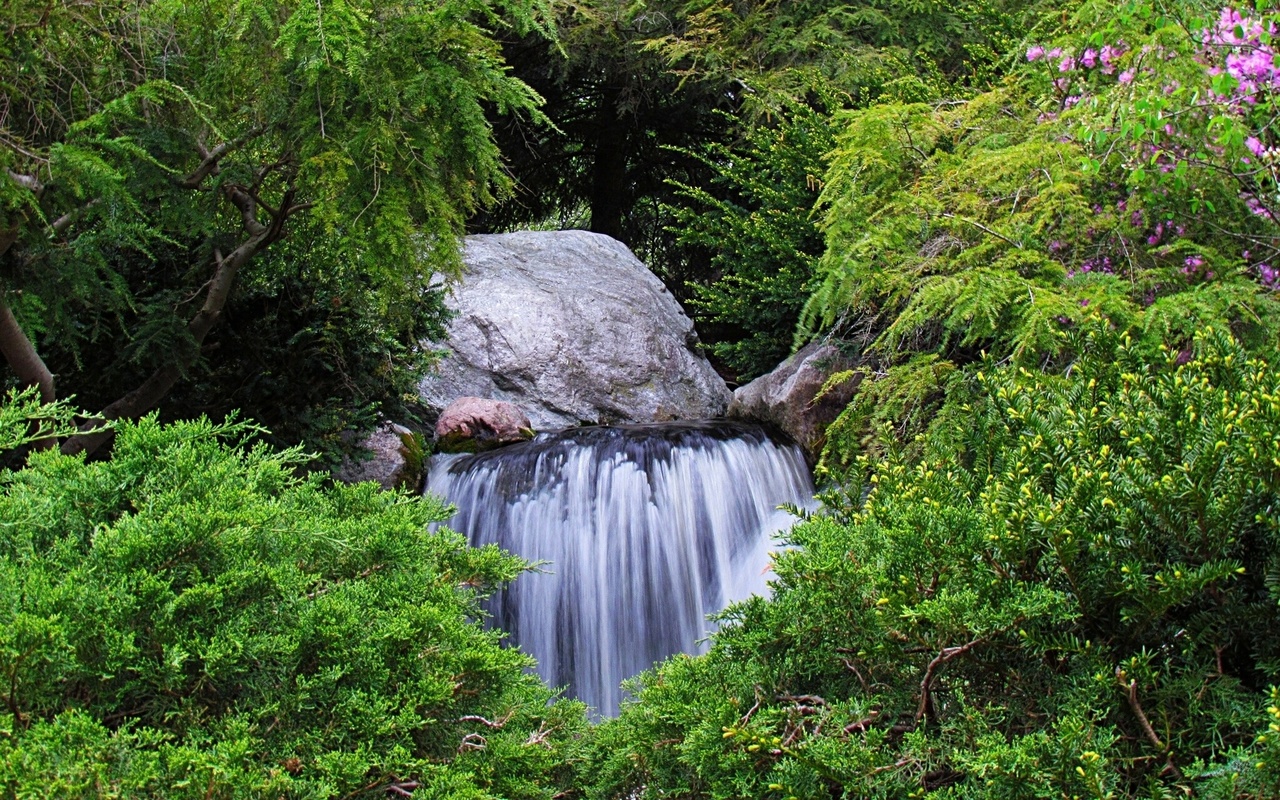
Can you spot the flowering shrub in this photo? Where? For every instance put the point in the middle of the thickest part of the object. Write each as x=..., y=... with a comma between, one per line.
x=1185, y=102
x=1129, y=169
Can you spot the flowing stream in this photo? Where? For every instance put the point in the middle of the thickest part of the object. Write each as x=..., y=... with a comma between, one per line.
x=644, y=531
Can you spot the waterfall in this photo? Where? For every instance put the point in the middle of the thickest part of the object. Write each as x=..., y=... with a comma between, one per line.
x=643, y=530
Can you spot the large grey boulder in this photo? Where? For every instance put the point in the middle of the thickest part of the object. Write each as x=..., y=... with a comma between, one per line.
x=786, y=396
x=573, y=329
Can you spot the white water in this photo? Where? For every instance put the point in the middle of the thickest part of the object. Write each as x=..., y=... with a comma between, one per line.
x=646, y=529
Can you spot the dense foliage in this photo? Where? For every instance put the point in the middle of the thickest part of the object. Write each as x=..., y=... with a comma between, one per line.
x=1075, y=595
x=1048, y=564
x=1124, y=169
x=161, y=158
x=755, y=221
x=657, y=104
x=189, y=619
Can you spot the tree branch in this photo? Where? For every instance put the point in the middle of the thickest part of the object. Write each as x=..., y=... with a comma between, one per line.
x=26, y=181
x=981, y=227
x=1131, y=694
x=7, y=238
x=63, y=222
x=925, y=709
x=148, y=395
x=211, y=159
x=248, y=208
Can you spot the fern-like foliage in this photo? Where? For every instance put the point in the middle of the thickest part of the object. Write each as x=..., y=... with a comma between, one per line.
x=334, y=146
x=995, y=223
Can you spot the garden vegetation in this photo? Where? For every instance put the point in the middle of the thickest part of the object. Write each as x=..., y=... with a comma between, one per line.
x=1047, y=563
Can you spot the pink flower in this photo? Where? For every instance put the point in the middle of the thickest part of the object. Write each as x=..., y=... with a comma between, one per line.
x=1126, y=77
x=1035, y=53
x=1089, y=58
x=1067, y=64
x=1109, y=55
x=1255, y=146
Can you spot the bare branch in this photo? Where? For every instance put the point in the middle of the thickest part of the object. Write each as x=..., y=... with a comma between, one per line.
x=498, y=725
x=63, y=222
x=17, y=148
x=26, y=181
x=21, y=354
x=248, y=208
x=540, y=736
x=852, y=667
x=1131, y=694
x=925, y=709
x=473, y=741
x=210, y=159
x=864, y=724
x=982, y=228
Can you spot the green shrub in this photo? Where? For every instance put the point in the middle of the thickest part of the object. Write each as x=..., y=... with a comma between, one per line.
x=756, y=223
x=1075, y=594
x=1112, y=172
x=190, y=619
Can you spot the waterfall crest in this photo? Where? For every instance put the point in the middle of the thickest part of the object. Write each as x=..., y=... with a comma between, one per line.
x=645, y=529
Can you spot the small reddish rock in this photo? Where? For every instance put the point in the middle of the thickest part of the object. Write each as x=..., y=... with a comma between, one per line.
x=472, y=424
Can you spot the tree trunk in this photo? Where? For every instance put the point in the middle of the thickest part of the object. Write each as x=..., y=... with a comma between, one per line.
x=609, y=172
x=16, y=345
x=22, y=356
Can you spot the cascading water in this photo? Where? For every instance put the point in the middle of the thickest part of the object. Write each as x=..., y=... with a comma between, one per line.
x=645, y=529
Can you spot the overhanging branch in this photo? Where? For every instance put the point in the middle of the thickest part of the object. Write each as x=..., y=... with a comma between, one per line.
x=152, y=391
x=210, y=159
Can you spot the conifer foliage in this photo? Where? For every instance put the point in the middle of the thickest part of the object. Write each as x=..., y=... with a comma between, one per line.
x=158, y=155
x=189, y=619
x=1075, y=595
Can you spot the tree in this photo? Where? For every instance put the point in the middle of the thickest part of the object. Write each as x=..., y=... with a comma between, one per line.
x=756, y=224
x=644, y=94
x=156, y=152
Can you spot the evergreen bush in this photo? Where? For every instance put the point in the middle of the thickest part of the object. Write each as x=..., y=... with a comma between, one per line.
x=1126, y=168
x=1076, y=594
x=190, y=619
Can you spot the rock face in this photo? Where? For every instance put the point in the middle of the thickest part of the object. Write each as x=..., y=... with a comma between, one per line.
x=785, y=397
x=573, y=329
x=390, y=462
x=472, y=424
